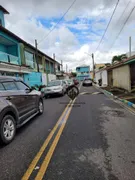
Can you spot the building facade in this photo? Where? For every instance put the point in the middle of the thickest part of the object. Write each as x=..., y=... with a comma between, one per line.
x=103, y=76
x=83, y=72
x=19, y=58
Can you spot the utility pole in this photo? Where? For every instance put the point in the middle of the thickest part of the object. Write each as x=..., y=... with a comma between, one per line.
x=61, y=65
x=92, y=55
x=36, y=55
x=130, y=46
x=54, y=56
x=66, y=68
x=93, y=66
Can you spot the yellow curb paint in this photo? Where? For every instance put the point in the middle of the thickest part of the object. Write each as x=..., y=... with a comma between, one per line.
x=48, y=157
x=42, y=149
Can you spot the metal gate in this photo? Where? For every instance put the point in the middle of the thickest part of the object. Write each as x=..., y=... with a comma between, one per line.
x=132, y=72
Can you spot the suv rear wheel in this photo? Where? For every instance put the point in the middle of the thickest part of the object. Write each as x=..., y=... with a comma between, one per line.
x=41, y=107
x=7, y=129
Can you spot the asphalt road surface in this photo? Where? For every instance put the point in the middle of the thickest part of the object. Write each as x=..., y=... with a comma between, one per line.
x=94, y=139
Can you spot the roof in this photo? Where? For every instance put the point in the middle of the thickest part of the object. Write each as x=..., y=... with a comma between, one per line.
x=4, y=10
x=24, y=42
x=122, y=63
x=130, y=61
x=82, y=66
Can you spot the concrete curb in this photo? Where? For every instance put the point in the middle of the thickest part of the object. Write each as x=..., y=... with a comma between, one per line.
x=128, y=103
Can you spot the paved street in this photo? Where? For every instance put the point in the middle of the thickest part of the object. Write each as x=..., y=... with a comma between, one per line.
x=97, y=142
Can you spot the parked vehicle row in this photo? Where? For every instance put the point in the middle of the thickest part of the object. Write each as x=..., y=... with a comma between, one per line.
x=58, y=87
x=18, y=104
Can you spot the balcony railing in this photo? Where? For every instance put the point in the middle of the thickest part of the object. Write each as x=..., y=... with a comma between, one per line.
x=8, y=58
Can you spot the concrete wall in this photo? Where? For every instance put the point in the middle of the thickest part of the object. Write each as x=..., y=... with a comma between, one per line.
x=51, y=77
x=121, y=77
x=44, y=79
x=34, y=78
x=102, y=75
x=104, y=78
x=97, y=76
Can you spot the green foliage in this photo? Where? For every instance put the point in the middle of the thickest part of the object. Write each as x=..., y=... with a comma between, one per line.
x=101, y=67
x=73, y=74
x=118, y=58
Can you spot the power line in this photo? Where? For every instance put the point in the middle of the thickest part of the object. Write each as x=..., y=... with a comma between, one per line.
x=58, y=21
x=123, y=26
x=108, y=25
x=123, y=12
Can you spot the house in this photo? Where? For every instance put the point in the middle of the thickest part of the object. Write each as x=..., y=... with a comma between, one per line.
x=102, y=74
x=121, y=74
x=21, y=59
x=83, y=72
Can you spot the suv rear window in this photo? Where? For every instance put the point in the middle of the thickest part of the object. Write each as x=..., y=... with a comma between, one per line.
x=2, y=87
x=9, y=86
x=21, y=85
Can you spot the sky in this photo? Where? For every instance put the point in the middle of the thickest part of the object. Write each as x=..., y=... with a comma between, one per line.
x=78, y=33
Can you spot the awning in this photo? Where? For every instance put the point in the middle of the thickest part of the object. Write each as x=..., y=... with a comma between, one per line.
x=129, y=62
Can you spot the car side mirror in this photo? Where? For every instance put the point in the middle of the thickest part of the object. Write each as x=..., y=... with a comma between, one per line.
x=28, y=90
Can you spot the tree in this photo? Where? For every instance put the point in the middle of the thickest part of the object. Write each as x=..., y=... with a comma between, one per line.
x=73, y=74
x=118, y=58
x=101, y=67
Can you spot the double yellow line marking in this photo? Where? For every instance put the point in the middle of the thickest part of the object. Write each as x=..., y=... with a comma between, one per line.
x=47, y=159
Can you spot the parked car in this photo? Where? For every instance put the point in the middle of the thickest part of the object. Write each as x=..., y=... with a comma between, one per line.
x=76, y=82
x=70, y=82
x=57, y=87
x=87, y=82
x=66, y=83
x=18, y=104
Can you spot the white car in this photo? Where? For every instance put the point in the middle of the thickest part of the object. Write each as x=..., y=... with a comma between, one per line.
x=70, y=82
x=55, y=87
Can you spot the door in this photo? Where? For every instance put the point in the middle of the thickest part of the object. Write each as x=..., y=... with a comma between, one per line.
x=132, y=72
x=30, y=97
x=64, y=84
x=16, y=97
x=110, y=78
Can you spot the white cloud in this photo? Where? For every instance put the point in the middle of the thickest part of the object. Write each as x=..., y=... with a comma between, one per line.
x=62, y=41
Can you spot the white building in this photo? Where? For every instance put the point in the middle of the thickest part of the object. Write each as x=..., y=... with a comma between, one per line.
x=102, y=74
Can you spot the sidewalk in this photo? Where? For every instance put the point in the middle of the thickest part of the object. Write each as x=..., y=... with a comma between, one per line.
x=119, y=94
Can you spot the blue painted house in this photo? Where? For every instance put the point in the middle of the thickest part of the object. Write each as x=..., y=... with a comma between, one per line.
x=19, y=58
x=83, y=72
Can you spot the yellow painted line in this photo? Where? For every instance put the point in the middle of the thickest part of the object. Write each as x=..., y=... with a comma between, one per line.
x=42, y=149
x=48, y=157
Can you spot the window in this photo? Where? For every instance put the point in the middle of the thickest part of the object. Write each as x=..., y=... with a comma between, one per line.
x=0, y=22
x=1, y=87
x=10, y=86
x=64, y=82
x=54, y=83
x=21, y=85
x=29, y=57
